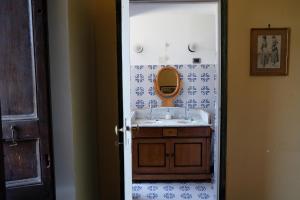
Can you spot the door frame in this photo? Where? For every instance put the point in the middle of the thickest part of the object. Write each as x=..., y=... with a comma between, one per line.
x=120, y=95
x=223, y=112
x=2, y=179
x=223, y=88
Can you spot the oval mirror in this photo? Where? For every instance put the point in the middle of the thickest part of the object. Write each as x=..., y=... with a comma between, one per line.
x=167, y=85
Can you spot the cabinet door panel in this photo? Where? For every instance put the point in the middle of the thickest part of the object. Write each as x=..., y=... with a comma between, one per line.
x=194, y=152
x=150, y=156
x=190, y=156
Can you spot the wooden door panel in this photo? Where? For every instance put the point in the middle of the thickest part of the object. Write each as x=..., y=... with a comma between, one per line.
x=28, y=194
x=17, y=78
x=24, y=95
x=150, y=156
x=189, y=156
x=22, y=161
x=23, y=129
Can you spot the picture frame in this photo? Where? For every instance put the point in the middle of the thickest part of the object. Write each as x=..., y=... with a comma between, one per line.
x=269, y=51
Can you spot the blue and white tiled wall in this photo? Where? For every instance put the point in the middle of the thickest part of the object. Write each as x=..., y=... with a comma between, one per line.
x=199, y=91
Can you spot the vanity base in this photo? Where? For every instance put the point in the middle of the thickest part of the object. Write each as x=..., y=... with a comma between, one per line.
x=170, y=154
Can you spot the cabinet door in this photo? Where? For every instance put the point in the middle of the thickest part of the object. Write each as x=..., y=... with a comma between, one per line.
x=150, y=156
x=190, y=156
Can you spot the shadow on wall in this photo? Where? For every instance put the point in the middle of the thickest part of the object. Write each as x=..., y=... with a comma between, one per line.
x=93, y=80
x=103, y=21
x=84, y=101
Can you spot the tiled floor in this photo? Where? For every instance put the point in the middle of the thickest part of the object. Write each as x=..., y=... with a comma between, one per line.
x=175, y=191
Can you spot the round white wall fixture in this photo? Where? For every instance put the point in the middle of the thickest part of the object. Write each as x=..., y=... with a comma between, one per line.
x=192, y=47
x=138, y=48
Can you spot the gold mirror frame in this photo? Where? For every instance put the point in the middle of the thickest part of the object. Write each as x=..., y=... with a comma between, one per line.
x=167, y=99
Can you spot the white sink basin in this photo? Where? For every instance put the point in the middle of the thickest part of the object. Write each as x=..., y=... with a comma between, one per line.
x=141, y=117
x=168, y=123
x=183, y=121
x=151, y=121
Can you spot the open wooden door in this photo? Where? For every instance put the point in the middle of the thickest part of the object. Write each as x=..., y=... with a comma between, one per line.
x=24, y=98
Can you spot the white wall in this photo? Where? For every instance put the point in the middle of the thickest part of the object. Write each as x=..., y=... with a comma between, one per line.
x=153, y=25
x=61, y=99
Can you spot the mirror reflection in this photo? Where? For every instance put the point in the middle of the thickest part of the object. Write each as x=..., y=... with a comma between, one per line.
x=167, y=81
x=167, y=85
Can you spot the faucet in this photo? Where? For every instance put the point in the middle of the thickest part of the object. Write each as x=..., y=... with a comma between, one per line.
x=150, y=113
x=168, y=115
x=186, y=109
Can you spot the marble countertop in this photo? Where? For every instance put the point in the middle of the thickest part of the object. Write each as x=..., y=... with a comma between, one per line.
x=168, y=123
x=180, y=117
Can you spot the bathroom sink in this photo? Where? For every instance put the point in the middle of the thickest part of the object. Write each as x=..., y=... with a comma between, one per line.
x=167, y=122
x=151, y=121
x=183, y=121
x=159, y=117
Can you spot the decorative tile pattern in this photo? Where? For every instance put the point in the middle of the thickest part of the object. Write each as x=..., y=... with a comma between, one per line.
x=175, y=191
x=199, y=91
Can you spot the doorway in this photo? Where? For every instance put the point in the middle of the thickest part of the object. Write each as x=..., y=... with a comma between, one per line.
x=137, y=27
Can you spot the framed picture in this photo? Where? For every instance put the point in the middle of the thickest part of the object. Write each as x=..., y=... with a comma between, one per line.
x=269, y=52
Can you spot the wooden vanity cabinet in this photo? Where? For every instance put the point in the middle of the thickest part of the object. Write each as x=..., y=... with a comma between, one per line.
x=171, y=153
